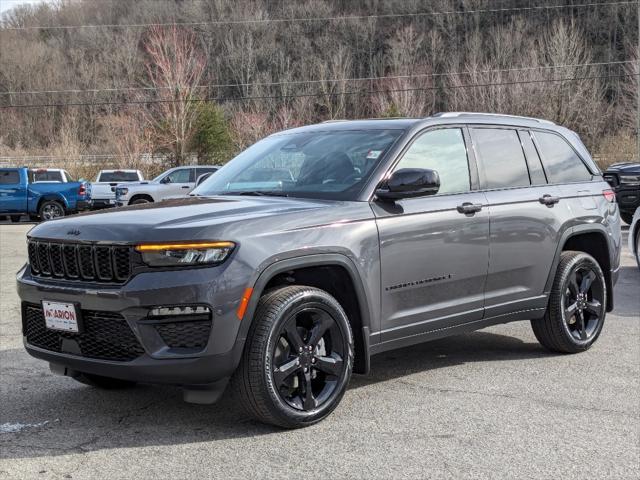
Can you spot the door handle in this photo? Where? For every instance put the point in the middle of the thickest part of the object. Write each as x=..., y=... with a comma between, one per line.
x=468, y=207
x=549, y=200
x=185, y=186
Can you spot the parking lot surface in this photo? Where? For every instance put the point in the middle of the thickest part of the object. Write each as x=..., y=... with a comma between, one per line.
x=490, y=404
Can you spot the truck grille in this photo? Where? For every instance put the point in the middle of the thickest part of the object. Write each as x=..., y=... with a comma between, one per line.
x=71, y=261
x=105, y=335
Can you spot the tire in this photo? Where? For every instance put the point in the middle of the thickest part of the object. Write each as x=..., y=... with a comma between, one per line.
x=565, y=332
x=281, y=396
x=50, y=210
x=106, y=383
x=15, y=218
x=626, y=217
x=140, y=201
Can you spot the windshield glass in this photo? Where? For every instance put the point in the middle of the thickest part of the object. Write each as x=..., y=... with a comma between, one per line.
x=118, y=177
x=331, y=164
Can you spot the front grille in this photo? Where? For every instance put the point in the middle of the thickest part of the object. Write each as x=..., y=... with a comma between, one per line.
x=611, y=179
x=194, y=335
x=70, y=261
x=105, y=335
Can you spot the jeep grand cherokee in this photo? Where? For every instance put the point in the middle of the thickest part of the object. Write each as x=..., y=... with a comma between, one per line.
x=320, y=246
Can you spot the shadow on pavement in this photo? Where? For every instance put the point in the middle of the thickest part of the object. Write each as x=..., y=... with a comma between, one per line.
x=82, y=418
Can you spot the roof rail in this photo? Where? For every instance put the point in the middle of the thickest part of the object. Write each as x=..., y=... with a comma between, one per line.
x=478, y=114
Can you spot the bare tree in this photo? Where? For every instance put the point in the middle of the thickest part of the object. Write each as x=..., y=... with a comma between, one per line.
x=175, y=69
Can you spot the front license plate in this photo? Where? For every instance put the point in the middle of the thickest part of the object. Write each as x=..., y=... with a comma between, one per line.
x=60, y=316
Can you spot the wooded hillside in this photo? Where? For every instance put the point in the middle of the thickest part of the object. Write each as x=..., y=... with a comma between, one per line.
x=232, y=71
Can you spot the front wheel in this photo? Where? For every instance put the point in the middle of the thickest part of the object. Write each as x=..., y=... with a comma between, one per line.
x=577, y=305
x=50, y=210
x=298, y=358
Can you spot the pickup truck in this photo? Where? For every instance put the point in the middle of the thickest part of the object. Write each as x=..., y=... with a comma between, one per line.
x=103, y=189
x=20, y=195
x=178, y=181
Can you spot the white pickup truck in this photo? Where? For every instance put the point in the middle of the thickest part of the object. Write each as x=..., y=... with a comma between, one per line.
x=178, y=181
x=103, y=190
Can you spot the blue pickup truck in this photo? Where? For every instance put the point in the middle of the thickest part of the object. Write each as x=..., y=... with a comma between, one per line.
x=20, y=195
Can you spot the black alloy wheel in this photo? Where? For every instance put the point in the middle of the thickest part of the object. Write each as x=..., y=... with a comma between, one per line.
x=298, y=358
x=583, y=302
x=576, y=309
x=308, y=358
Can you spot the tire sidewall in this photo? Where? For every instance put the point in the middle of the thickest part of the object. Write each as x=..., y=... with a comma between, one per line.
x=581, y=260
x=308, y=299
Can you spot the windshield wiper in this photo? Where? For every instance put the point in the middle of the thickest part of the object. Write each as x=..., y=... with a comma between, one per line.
x=258, y=193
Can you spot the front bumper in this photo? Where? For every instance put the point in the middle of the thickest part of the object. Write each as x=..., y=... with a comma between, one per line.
x=157, y=362
x=628, y=198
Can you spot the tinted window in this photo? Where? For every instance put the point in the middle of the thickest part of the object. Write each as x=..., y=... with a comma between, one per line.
x=181, y=176
x=501, y=157
x=445, y=152
x=118, y=177
x=560, y=161
x=47, y=176
x=9, y=177
x=203, y=170
x=533, y=159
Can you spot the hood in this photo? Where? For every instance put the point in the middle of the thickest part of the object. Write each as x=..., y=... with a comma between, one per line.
x=624, y=168
x=195, y=218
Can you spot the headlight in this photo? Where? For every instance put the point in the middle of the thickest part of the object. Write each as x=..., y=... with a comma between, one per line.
x=185, y=254
x=630, y=179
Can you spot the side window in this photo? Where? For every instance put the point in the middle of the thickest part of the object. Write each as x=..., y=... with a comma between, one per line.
x=203, y=170
x=533, y=159
x=501, y=157
x=445, y=152
x=9, y=177
x=560, y=161
x=182, y=175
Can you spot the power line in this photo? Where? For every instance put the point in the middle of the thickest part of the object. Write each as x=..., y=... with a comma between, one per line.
x=333, y=80
x=325, y=19
x=320, y=94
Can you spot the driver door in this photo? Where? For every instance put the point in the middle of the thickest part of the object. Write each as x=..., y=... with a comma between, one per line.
x=434, y=258
x=179, y=182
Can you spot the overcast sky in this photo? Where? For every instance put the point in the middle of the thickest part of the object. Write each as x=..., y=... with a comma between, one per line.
x=9, y=4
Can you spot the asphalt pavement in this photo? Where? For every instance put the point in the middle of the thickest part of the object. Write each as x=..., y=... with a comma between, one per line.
x=490, y=404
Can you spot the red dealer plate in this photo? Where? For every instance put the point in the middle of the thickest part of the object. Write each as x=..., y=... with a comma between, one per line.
x=60, y=316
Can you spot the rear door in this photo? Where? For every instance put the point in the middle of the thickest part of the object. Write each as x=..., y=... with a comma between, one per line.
x=524, y=219
x=434, y=257
x=13, y=191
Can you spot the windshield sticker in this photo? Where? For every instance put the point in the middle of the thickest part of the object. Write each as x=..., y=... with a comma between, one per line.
x=373, y=154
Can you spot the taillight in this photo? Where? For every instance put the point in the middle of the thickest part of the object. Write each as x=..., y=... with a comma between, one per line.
x=609, y=195
x=82, y=190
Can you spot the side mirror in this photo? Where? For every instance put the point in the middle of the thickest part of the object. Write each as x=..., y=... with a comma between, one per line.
x=409, y=183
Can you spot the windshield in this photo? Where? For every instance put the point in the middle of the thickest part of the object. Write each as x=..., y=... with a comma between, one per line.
x=118, y=177
x=331, y=164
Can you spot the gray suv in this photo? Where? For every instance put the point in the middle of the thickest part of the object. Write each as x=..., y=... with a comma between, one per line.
x=321, y=246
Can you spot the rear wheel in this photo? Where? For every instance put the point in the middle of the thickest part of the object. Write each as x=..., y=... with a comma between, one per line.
x=298, y=358
x=140, y=201
x=577, y=305
x=50, y=210
x=106, y=383
x=15, y=218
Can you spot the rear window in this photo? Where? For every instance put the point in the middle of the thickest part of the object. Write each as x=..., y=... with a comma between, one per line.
x=118, y=177
x=9, y=177
x=46, y=176
x=501, y=157
x=560, y=161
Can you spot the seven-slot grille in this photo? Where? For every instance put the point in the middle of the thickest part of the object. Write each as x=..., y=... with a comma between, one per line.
x=74, y=261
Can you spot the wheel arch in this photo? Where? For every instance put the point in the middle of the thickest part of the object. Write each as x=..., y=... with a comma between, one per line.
x=52, y=197
x=340, y=278
x=137, y=196
x=591, y=239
